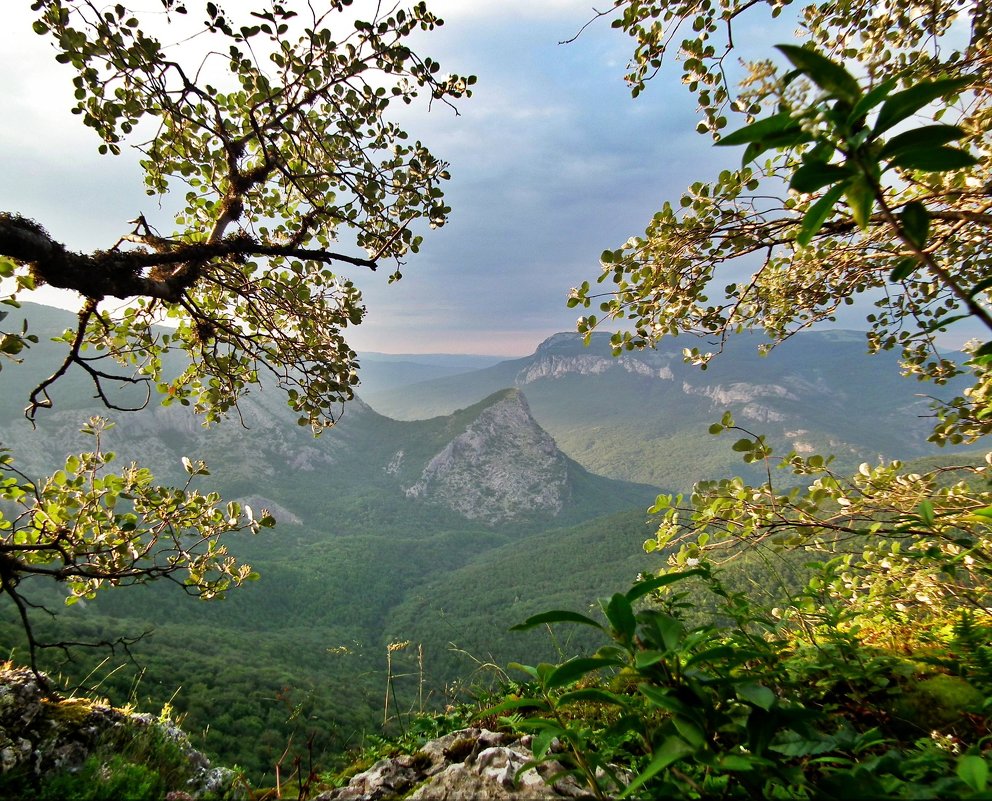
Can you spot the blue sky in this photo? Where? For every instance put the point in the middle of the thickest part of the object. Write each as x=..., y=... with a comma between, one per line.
x=551, y=163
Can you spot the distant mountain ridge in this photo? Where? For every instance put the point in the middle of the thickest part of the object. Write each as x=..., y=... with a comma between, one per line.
x=643, y=416
x=490, y=463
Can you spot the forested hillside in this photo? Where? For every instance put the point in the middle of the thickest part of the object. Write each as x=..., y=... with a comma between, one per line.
x=702, y=548
x=373, y=517
x=638, y=416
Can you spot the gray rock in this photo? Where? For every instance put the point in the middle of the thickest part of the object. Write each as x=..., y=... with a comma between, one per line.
x=467, y=765
x=42, y=733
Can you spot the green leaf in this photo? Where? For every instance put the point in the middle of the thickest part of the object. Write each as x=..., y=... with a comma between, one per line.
x=861, y=198
x=718, y=652
x=620, y=613
x=925, y=511
x=757, y=694
x=576, y=668
x=594, y=695
x=671, y=630
x=813, y=175
x=934, y=159
x=690, y=731
x=973, y=770
x=905, y=266
x=902, y=104
x=817, y=215
x=737, y=762
x=761, y=129
x=645, y=659
x=927, y=136
x=661, y=698
x=644, y=587
x=672, y=750
x=530, y=670
x=557, y=616
x=827, y=74
x=915, y=222
x=872, y=99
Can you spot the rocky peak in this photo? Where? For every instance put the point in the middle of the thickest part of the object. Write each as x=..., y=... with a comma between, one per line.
x=501, y=467
x=564, y=354
x=47, y=738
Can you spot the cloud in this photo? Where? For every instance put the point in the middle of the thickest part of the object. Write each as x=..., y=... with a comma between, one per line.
x=521, y=10
x=551, y=161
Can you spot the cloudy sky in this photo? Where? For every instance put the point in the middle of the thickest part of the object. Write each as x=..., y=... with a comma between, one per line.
x=551, y=159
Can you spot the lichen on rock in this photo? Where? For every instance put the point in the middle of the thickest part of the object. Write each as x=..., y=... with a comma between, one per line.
x=46, y=740
x=466, y=765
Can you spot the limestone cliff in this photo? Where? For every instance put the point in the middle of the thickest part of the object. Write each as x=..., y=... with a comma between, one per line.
x=502, y=466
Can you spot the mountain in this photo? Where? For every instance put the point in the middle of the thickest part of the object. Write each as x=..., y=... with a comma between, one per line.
x=643, y=416
x=386, y=371
x=374, y=515
x=489, y=463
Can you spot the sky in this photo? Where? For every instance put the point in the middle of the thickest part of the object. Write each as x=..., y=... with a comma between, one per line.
x=551, y=160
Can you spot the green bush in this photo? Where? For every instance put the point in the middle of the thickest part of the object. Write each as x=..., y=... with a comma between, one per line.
x=114, y=779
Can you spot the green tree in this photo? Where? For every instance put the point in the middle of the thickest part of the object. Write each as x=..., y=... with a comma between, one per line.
x=278, y=136
x=865, y=172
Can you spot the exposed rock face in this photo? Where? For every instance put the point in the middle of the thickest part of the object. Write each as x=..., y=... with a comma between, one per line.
x=556, y=366
x=745, y=397
x=556, y=357
x=43, y=734
x=467, y=765
x=502, y=466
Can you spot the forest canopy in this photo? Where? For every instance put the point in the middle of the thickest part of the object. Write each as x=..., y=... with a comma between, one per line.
x=278, y=135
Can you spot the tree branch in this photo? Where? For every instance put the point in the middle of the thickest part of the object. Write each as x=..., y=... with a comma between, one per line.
x=126, y=274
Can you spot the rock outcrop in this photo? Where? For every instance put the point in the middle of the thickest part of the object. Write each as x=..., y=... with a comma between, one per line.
x=48, y=741
x=502, y=466
x=45, y=737
x=466, y=765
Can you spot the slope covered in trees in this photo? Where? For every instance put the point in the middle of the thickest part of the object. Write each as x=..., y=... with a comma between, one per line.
x=865, y=160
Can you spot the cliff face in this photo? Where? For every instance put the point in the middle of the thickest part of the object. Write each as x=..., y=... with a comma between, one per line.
x=642, y=416
x=502, y=466
x=51, y=746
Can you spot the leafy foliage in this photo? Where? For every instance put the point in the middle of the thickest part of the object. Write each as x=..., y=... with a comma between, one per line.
x=739, y=252
x=876, y=201
x=756, y=706
x=869, y=175
x=278, y=135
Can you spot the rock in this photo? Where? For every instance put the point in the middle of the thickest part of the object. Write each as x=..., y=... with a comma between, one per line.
x=44, y=735
x=502, y=466
x=466, y=765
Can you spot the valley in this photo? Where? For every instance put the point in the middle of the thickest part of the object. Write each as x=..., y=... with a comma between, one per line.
x=515, y=493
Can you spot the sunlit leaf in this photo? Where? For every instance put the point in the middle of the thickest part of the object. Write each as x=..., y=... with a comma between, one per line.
x=817, y=215
x=557, y=616
x=826, y=74
x=907, y=102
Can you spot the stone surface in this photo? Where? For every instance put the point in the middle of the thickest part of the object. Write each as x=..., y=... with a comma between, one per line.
x=466, y=765
x=502, y=464
x=43, y=733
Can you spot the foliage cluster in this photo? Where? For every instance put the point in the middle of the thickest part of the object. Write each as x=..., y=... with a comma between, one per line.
x=757, y=707
x=871, y=678
x=279, y=135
